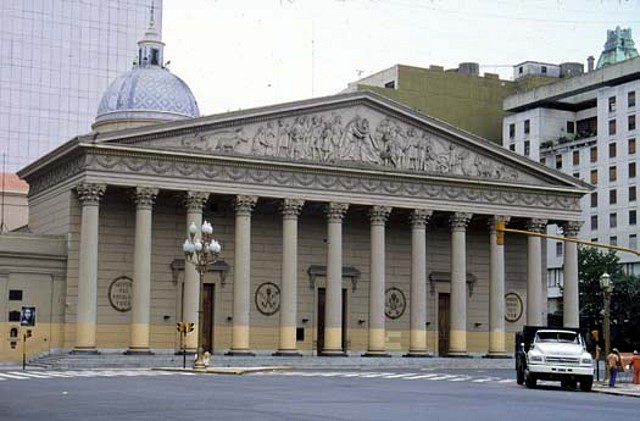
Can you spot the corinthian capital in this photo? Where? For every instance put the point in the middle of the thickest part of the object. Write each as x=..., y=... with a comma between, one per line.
x=145, y=197
x=378, y=214
x=336, y=211
x=571, y=228
x=537, y=225
x=195, y=200
x=291, y=208
x=491, y=222
x=460, y=220
x=244, y=205
x=420, y=217
x=90, y=193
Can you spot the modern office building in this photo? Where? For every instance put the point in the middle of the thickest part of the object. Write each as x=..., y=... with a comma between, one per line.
x=586, y=126
x=459, y=96
x=58, y=57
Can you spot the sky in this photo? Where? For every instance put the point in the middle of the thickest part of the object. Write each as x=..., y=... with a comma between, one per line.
x=239, y=54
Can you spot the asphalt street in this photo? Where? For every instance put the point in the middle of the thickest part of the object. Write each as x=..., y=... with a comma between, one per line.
x=297, y=395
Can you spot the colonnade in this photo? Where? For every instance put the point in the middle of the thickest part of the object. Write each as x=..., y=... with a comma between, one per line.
x=90, y=195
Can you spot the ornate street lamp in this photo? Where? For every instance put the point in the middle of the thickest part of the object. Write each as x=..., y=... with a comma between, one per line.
x=607, y=289
x=201, y=250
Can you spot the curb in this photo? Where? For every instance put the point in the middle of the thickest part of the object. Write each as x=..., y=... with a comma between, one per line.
x=616, y=391
x=238, y=371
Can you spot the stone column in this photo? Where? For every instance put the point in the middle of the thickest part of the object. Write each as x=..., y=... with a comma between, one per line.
x=89, y=196
x=242, y=280
x=144, y=199
x=458, y=331
x=194, y=202
x=289, y=288
x=378, y=216
x=570, y=293
x=333, y=305
x=418, y=298
x=534, y=273
x=497, y=347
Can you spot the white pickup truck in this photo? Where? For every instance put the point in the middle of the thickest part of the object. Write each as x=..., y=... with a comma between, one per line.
x=557, y=354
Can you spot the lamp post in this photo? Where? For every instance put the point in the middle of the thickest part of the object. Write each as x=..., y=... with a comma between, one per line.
x=201, y=250
x=607, y=289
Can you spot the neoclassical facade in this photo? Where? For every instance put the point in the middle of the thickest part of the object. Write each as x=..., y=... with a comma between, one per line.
x=349, y=225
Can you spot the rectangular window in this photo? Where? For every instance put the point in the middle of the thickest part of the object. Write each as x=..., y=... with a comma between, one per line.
x=632, y=122
x=613, y=220
x=527, y=126
x=512, y=130
x=390, y=85
x=613, y=240
x=633, y=241
x=632, y=193
x=594, y=176
x=612, y=127
x=571, y=127
x=612, y=150
x=559, y=249
x=543, y=70
x=594, y=222
x=512, y=147
x=558, y=162
x=593, y=154
x=612, y=104
x=633, y=215
x=576, y=157
x=527, y=147
x=631, y=99
x=632, y=146
x=15, y=295
x=594, y=199
x=576, y=174
x=613, y=173
x=613, y=197
x=632, y=170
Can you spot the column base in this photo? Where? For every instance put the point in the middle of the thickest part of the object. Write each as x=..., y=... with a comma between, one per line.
x=418, y=354
x=376, y=354
x=84, y=351
x=240, y=353
x=457, y=355
x=337, y=353
x=138, y=351
x=498, y=356
x=287, y=353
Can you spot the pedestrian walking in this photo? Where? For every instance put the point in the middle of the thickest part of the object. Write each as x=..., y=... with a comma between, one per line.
x=635, y=366
x=614, y=364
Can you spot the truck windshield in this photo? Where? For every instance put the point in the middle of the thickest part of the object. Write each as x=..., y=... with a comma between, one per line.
x=563, y=337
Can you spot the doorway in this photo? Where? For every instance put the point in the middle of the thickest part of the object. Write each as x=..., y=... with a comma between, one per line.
x=444, y=324
x=208, y=317
x=322, y=296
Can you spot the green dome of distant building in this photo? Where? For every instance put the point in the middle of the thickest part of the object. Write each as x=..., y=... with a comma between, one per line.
x=619, y=47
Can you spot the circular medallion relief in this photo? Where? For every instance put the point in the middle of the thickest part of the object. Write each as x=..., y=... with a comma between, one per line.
x=268, y=298
x=120, y=293
x=513, y=307
x=394, y=303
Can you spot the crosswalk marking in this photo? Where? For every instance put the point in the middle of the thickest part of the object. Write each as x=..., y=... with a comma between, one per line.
x=11, y=376
x=44, y=375
x=390, y=375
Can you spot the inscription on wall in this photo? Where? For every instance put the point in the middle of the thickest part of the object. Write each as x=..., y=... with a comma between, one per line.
x=120, y=293
x=513, y=307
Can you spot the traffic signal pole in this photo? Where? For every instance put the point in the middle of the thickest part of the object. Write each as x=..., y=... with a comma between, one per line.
x=501, y=228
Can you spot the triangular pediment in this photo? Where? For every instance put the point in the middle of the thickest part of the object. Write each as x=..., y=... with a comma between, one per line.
x=361, y=130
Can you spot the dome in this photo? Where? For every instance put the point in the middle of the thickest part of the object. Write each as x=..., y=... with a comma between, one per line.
x=147, y=93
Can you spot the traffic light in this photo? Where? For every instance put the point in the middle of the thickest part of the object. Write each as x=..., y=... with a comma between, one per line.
x=500, y=232
x=189, y=327
x=181, y=326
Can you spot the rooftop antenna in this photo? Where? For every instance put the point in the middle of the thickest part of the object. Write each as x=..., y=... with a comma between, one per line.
x=3, y=226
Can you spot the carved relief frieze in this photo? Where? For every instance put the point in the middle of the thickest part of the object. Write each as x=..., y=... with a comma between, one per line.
x=352, y=137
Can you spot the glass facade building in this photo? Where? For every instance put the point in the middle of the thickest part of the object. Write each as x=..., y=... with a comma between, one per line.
x=57, y=57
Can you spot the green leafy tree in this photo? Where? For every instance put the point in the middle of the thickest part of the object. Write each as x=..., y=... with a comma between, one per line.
x=625, y=300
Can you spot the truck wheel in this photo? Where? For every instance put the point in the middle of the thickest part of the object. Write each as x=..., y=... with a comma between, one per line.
x=519, y=377
x=585, y=385
x=564, y=384
x=530, y=381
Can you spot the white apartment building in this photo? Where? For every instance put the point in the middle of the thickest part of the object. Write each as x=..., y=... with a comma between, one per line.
x=586, y=126
x=58, y=57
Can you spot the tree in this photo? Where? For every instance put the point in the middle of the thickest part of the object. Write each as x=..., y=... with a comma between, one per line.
x=625, y=300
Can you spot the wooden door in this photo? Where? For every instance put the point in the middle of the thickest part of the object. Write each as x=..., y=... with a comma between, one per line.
x=208, y=318
x=444, y=324
x=322, y=296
